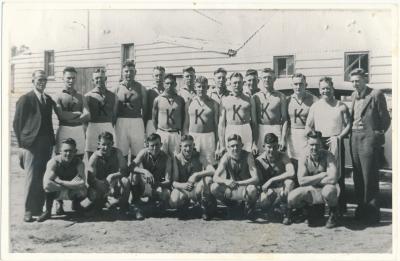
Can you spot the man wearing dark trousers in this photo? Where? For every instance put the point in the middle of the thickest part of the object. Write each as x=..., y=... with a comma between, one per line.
x=34, y=130
x=371, y=120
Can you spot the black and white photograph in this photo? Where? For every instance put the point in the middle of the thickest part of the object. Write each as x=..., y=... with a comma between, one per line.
x=201, y=129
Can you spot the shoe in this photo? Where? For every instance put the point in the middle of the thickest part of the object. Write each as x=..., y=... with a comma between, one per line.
x=76, y=206
x=28, y=217
x=316, y=215
x=359, y=213
x=136, y=212
x=287, y=220
x=332, y=219
x=182, y=213
x=45, y=216
x=59, y=208
x=250, y=211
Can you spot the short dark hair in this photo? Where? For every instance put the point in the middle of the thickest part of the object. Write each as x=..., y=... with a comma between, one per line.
x=252, y=72
x=358, y=71
x=220, y=70
x=268, y=70
x=189, y=69
x=129, y=63
x=187, y=137
x=236, y=74
x=270, y=138
x=314, y=135
x=235, y=137
x=160, y=68
x=38, y=71
x=69, y=141
x=326, y=79
x=153, y=137
x=69, y=69
x=299, y=75
x=106, y=136
x=100, y=70
x=202, y=80
x=170, y=76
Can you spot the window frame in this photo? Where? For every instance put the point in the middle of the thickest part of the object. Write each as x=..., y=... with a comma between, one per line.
x=275, y=65
x=124, y=56
x=346, y=76
x=47, y=64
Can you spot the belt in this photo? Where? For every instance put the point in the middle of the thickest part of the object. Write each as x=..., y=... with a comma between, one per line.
x=178, y=131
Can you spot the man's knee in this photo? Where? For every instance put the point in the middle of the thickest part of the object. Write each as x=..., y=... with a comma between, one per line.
x=295, y=198
x=266, y=198
x=165, y=194
x=135, y=179
x=215, y=189
x=125, y=184
x=329, y=193
x=251, y=192
x=289, y=184
x=177, y=199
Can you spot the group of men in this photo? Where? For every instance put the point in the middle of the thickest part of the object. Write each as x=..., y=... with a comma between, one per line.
x=235, y=143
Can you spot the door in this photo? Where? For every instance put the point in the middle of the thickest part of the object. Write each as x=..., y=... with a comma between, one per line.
x=84, y=81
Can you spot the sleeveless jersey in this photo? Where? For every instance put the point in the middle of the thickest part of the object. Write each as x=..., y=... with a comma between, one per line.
x=101, y=105
x=66, y=171
x=106, y=165
x=238, y=170
x=187, y=167
x=156, y=166
x=71, y=101
x=170, y=112
x=268, y=107
x=318, y=166
x=238, y=109
x=269, y=169
x=201, y=115
x=298, y=110
x=152, y=94
x=129, y=101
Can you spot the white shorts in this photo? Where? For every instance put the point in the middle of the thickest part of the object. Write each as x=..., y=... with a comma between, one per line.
x=75, y=132
x=244, y=131
x=150, y=128
x=92, y=134
x=297, y=143
x=264, y=129
x=205, y=145
x=170, y=141
x=129, y=134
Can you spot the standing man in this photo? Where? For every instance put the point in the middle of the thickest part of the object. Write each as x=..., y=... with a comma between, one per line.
x=131, y=109
x=236, y=177
x=269, y=111
x=277, y=176
x=332, y=118
x=187, y=91
x=152, y=93
x=236, y=116
x=64, y=179
x=73, y=112
x=371, y=120
x=219, y=90
x=202, y=122
x=169, y=115
x=318, y=177
x=251, y=82
x=102, y=106
x=33, y=128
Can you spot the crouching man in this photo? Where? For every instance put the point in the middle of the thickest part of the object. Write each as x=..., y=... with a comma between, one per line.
x=151, y=175
x=64, y=179
x=236, y=178
x=318, y=179
x=191, y=181
x=276, y=176
x=108, y=176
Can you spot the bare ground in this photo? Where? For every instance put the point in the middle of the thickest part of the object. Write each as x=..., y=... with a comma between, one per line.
x=111, y=233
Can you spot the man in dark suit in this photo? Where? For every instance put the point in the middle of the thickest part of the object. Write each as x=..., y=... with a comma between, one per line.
x=371, y=120
x=34, y=130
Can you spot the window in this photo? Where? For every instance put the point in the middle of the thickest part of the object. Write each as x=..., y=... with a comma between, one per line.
x=284, y=66
x=127, y=52
x=353, y=61
x=12, y=78
x=49, y=63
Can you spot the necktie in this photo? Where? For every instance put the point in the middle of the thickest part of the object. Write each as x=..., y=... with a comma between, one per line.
x=42, y=100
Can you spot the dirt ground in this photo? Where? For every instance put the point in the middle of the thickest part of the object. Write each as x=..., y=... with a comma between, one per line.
x=114, y=234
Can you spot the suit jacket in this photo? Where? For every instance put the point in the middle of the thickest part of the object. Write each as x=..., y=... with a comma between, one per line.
x=374, y=114
x=28, y=118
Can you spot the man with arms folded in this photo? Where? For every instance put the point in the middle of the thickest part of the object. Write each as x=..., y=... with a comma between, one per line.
x=236, y=178
x=276, y=177
x=202, y=122
x=236, y=116
x=269, y=111
x=169, y=115
x=131, y=109
x=151, y=173
x=108, y=176
x=152, y=93
x=318, y=177
x=191, y=181
x=64, y=178
x=102, y=106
